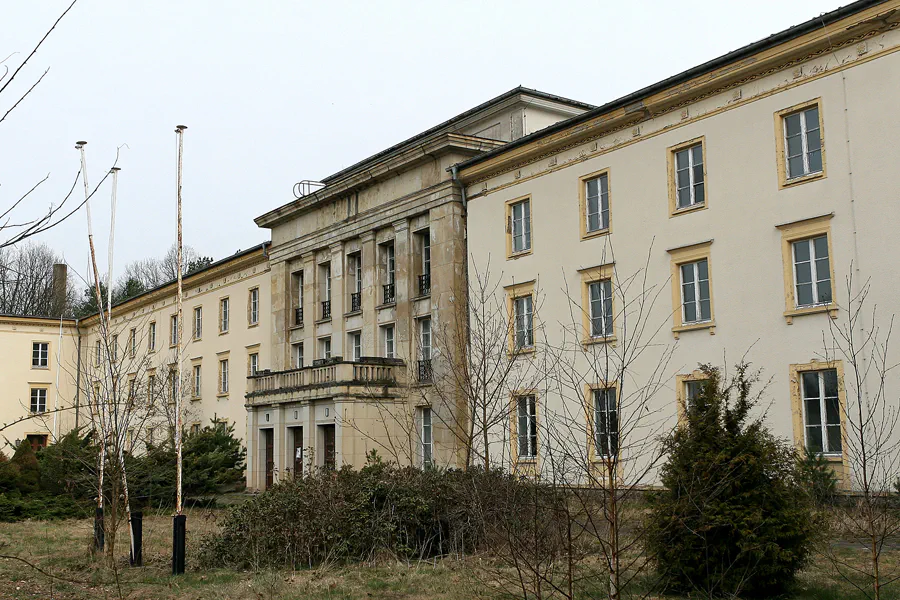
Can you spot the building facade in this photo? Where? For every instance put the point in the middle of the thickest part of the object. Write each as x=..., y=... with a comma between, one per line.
x=718, y=215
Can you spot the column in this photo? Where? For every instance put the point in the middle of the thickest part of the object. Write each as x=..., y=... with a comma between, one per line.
x=370, y=293
x=278, y=440
x=310, y=307
x=404, y=283
x=280, y=278
x=252, y=441
x=338, y=299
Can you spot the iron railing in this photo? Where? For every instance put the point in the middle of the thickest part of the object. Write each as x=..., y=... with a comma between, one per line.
x=298, y=316
x=389, y=297
x=355, y=302
x=326, y=309
x=425, y=284
x=425, y=374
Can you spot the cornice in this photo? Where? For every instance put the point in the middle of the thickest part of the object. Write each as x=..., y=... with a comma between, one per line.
x=37, y=321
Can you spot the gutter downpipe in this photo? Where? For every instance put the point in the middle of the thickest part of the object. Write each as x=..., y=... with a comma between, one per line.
x=454, y=176
x=77, y=373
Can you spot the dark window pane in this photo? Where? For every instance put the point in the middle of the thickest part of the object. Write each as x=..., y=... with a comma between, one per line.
x=814, y=439
x=687, y=273
x=815, y=161
x=813, y=412
x=593, y=222
x=810, y=384
x=801, y=251
x=804, y=272
x=703, y=269
x=831, y=383
x=697, y=152
x=592, y=187
x=604, y=184
x=704, y=290
x=832, y=411
x=684, y=197
x=705, y=314
x=698, y=174
x=804, y=294
x=794, y=146
x=698, y=194
x=792, y=124
x=834, y=438
x=812, y=117
x=813, y=141
x=684, y=178
x=690, y=312
x=821, y=246
x=824, y=290
x=681, y=159
x=795, y=167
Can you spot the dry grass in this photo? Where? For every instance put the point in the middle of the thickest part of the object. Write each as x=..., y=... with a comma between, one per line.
x=61, y=550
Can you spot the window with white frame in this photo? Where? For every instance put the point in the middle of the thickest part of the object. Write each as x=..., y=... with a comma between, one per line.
x=596, y=191
x=390, y=263
x=387, y=334
x=426, y=434
x=325, y=347
x=520, y=226
x=198, y=322
x=224, y=315
x=812, y=271
x=425, y=339
x=426, y=252
x=174, y=387
x=297, y=355
x=695, y=300
x=197, y=381
x=606, y=422
x=40, y=354
x=600, y=296
x=355, y=339
x=526, y=427
x=524, y=322
x=151, y=336
x=821, y=411
x=114, y=350
x=173, y=330
x=802, y=143
x=223, y=376
x=693, y=388
x=132, y=342
x=253, y=307
x=689, y=185
x=38, y=400
x=254, y=363
x=98, y=353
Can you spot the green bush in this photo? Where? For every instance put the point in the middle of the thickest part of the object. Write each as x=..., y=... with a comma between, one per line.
x=351, y=515
x=17, y=507
x=817, y=477
x=68, y=466
x=27, y=469
x=734, y=518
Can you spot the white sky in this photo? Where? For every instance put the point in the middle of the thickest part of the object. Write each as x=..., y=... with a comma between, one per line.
x=274, y=91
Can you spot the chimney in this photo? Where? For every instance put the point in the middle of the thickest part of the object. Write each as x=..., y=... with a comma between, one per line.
x=58, y=300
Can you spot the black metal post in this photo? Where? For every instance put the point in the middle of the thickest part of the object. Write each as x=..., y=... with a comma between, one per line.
x=179, y=526
x=98, y=530
x=137, y=531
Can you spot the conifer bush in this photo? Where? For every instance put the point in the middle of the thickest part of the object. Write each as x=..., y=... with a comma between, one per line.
x=734, y=517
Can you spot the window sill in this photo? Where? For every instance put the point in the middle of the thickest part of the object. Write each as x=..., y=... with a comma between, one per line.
x=252, y=325
x=588, y=235
x=529, y=350
x=297, y=326
x=520, y=254
x=325, y=320
x=196, y=399
x=224, y=332
x=831, y=309
x=425, y=297
x=421, y=384
x=353, y=313
x=711, y=325
x=37, y=368
x=387, y=305
x=786, y=183
x=591, y=341
x=222, y=395
x=688, y=209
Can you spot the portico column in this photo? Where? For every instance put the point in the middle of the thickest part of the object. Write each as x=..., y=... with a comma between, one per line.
x=369, y=294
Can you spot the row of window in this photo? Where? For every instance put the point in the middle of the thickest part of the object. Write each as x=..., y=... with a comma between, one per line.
x=819, y=396
x=223, y=381
x=387, y=276
x=800, y=152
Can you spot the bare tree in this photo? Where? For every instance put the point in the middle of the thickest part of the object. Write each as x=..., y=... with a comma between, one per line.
x=26, y=281
x=154, y=272
x=861, y=341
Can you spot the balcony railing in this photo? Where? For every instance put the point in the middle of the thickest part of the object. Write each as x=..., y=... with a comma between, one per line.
x=356, y=302
x=389, y=297
x=425, y=284
x=377, y=372
x=298, y=316
x=326, y=309
x=425, y=374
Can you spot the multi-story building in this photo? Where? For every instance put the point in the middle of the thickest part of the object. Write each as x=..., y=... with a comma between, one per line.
x=715, y=215
x=365, y=269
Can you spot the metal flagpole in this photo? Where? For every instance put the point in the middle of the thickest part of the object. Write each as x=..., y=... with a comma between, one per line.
x=179, y=524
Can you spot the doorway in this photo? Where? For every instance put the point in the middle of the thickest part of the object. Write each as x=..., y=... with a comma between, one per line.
x=268, y=442
x=328, y=446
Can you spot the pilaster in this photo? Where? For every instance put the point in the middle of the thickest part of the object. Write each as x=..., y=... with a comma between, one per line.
x=369, y=293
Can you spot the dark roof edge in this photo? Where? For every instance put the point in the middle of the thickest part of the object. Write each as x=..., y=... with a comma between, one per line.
x=459, y=117
x=743, y=52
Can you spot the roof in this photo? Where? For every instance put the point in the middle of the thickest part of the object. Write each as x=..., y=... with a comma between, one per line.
x=702, y=69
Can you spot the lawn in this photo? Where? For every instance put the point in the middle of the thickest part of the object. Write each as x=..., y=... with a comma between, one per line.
x=61, y=550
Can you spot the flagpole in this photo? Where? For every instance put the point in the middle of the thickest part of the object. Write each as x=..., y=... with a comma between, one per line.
x=179, y=524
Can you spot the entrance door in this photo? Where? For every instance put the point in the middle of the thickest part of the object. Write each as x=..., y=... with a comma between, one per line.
x=269, y=443
x=298, y=451
x=328, y=446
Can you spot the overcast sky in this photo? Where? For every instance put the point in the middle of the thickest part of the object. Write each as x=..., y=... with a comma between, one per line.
x=274, y=92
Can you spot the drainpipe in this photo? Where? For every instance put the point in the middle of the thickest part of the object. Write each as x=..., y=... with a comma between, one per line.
x=77, y=373
x=454, y=176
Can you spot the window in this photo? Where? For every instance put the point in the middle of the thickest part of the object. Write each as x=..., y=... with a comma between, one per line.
x=174, y=388
x=223, y=376
x=132, y=391
x=595, y=204
x=600, y=297
x=427, y=440
x=98, y=355
x=297, y=355
x=692, y=391
x=114, y=350
x=524, y=332
x=606, y=423
x=173, y=330
x=424, y=239
x=518, y=227
x=425, y=373
x=688, y=388
x=151, y=337
x=198, y=323
x=151, y=387
x=803, y=142
x=37, y=440
x=812, y=272
x=224, y=315
x=526, y=427
x=808, y=267
x=325, y=289
x=325, y=347
x=821, y=411
x=253, y=363
x=355, y=340
x=38, y=400
x=132, y=342
x=391, y=263
x=354, y=266
x=297, y=297
x=688, y=176
x=197, y=381
x=387, y=334
x=195, y=428
x=253, y=307
x=695, y=292
x=388, y=266
x=692, y=288
x=40, y=355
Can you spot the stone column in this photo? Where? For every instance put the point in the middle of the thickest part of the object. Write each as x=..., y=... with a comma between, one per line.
x=370, y=293
x=280, y=315
x=278, y=442
x=338, y=299
x=252, y=441
x=310, y=307
x=404, y=285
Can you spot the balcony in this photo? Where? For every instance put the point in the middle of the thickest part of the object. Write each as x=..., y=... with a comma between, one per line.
x=356, y=302
x=425, y=375
x=369, y=376
x=298, y=316
x=425, y=284
x=326, y=309
x=389, y=297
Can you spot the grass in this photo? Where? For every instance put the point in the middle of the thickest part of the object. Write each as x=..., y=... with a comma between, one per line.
x=62, y=550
